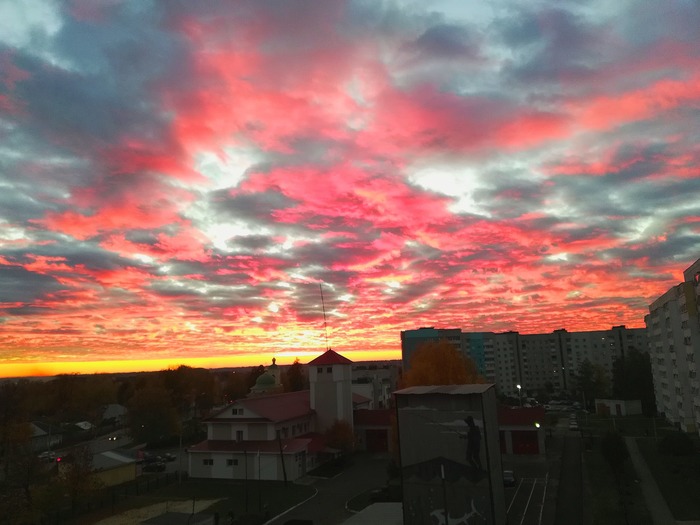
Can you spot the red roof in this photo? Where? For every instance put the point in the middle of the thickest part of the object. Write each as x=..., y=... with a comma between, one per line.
x=373, y=418
x=274, y=407
x=520, y=417
x=330, y=357
x=359, y=399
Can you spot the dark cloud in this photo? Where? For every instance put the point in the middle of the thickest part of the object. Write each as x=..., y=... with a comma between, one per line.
x=560, y=45
x=445, y=41
x=18, y=285
x=253, y=206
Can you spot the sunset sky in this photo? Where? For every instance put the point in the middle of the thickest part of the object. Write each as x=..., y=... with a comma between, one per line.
x=177, y=178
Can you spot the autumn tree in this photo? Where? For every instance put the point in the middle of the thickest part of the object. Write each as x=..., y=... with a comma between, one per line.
x=294, y=379
x=190, y=387
x=19, y=466
x=76, y=475
x=592, y=382
x=340, y=436
x=253, y=375
x=439, y=363
x=632, y=379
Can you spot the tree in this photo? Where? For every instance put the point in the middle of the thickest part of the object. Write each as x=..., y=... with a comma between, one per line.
x=253, y=375
x=340, y=436
x=75, y=472
x=152, y=417
x=632, y=379
x=592, y=381
x=294, y=379
x=439, y=363
x=234, y=386
x=189, y=386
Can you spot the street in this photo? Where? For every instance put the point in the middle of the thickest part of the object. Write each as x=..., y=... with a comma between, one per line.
x=328, y=506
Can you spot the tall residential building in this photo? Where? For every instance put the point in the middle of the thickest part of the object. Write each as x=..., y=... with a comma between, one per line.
x=673, y=327
x=534, y=361
x=692, y=331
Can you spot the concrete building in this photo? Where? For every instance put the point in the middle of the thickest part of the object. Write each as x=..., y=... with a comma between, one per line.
x=450, y=455
x=376, y=381
x=618, y=407
x=536, y=362
x=691, y=333
x=521, y=430
x=673, y=327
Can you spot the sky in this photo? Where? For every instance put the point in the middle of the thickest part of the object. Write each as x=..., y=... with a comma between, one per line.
x=179, y=181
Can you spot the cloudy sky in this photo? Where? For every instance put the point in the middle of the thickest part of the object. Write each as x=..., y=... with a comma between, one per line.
x=177, y=178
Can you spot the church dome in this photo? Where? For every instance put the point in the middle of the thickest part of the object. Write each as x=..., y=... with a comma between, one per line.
x=265, y=380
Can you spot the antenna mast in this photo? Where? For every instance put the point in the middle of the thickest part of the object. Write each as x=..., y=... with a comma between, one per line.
x=325, y=324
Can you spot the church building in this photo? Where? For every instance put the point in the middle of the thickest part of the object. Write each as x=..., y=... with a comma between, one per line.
x=273, y=435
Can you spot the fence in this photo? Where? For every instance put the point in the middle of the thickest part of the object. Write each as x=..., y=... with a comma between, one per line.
x=107, y=499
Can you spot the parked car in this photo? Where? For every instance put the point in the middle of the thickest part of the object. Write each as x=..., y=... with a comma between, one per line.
x=169, y=457
x=154, y=466
x=509, y=478
x=47, y=456
x=150, y=458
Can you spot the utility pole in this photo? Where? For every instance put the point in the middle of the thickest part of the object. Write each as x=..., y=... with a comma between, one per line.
x=284, y=469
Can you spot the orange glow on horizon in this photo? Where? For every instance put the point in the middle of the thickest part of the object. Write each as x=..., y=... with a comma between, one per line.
x=49, y=369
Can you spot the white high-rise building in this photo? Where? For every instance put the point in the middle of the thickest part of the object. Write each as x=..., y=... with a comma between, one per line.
x=673, y=327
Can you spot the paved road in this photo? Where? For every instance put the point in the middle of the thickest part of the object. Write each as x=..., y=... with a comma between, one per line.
x=525, y=502
x=328, y=506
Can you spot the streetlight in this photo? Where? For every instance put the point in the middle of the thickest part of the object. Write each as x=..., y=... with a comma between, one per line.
x=520, y=397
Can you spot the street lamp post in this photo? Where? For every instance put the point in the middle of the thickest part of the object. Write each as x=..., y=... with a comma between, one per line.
x=520, y=391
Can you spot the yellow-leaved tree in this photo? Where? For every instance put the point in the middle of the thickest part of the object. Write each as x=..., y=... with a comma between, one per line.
x=439, y=363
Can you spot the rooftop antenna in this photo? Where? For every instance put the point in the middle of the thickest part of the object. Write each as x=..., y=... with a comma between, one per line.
x=325, y=324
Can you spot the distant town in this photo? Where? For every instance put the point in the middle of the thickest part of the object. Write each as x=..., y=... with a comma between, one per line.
x=534, y=428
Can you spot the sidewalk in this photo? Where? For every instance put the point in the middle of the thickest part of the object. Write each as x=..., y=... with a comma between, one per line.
x=656, y=503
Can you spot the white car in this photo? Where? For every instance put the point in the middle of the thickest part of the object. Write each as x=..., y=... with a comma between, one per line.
x=47, y=456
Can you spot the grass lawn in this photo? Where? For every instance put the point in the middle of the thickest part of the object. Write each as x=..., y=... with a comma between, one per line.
x=607, y=499
x=678, y=479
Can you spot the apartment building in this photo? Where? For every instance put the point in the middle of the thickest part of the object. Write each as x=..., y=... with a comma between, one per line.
x=691, y=333
x=673, y=329
x=536, y=362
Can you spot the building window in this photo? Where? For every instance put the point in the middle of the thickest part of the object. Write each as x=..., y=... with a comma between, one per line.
x=208, y=462
x=329, y=369
x=231, y=462
x=320, y=369
x=239, y=435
